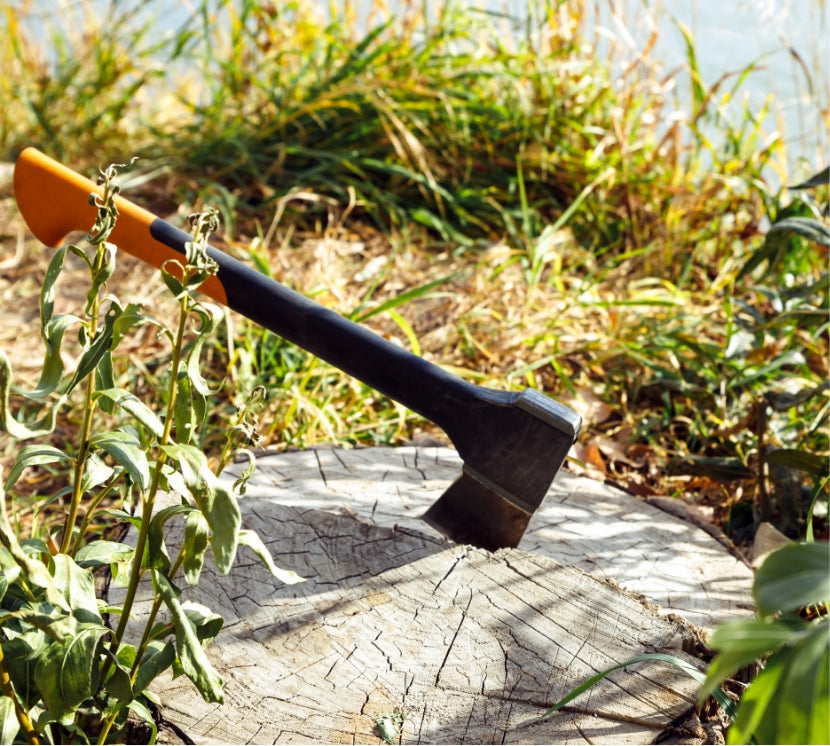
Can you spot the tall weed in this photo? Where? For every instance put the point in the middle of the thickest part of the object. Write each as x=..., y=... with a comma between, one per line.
x=65, y=673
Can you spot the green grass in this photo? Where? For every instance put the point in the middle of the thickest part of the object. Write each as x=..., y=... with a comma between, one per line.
x=488, y=192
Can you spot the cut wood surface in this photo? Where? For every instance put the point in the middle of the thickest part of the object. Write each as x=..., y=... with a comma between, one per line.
x=472, y=646
x=582, y=523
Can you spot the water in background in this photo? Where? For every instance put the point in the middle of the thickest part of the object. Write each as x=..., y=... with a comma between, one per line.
x=789, y=40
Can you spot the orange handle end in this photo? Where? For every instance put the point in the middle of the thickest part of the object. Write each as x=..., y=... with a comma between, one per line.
x=54, y=201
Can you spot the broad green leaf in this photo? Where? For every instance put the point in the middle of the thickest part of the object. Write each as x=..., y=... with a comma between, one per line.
x=252, y=540
x=131, y=404
x=9, y=725
x=142, y=711
x=126, y=449
x=791, y=577
x=755, y=701
x=77, y=586
x=119, y=684
x=67, y=673
x=217, y=503
x=743, y=642
x=35, y=455
x=191, y=656
x=802, y=705
x=196, y=534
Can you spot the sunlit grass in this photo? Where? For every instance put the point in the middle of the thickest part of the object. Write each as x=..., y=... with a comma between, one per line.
x=485, y=190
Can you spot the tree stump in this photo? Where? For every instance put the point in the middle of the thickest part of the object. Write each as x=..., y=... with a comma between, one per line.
x=470, y=646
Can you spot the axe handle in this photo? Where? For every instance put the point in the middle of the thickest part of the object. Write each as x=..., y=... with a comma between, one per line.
x=54, y=200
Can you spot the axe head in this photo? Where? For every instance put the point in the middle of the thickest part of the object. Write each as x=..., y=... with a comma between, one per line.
x=512, y=445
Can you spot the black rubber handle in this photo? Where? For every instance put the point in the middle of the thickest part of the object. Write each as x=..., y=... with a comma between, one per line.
x=416, y=383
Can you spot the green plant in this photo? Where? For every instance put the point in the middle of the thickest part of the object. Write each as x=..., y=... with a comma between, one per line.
x=789, y=700
x=764, y=378
x=64, y=673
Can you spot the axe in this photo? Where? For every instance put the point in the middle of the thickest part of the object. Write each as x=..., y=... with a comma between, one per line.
x=512, y=443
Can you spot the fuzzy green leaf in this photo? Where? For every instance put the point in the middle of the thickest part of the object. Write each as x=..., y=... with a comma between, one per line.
x=125, y=448
x=131, y=404
x=35, y=571
x=214, y=499
x=15, y=428
x=210, y=316
x=130, y=317
x=156, y=549
x=9, y=725
x=96, y=472
x=205, y=622
x=791, y=577
x=158, y=658
x=35, y=455
x=99, y=348
x=252, y=540
x=196, y=534
x=192, y=658
x=67, y=673
x=102, y=552
x=77, y=586
x=52, y=367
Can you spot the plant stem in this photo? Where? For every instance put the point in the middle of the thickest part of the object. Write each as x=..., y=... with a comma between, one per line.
x=149, y=502
x=137, y=568
x=151, y=618
x=22, y=716
x=83, y=451
x=89, y=513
